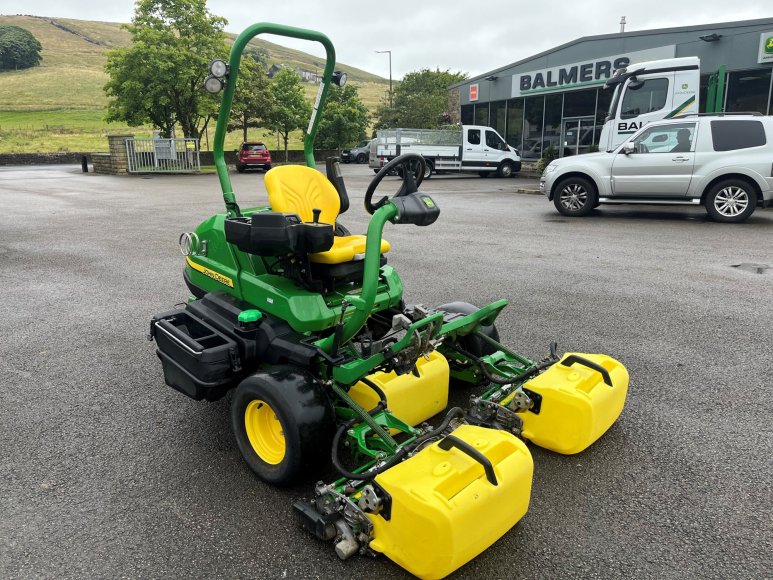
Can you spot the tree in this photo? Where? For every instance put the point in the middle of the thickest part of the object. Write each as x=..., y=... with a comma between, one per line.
x=419, y=100
x=291, y=111
x=344, y=120
x=19, y=49
x=253, y=99
x=159, y=78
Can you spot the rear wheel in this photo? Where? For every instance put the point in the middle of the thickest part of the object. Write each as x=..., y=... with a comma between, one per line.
x=362, y=158
x=429, y=168
x=575, y=196
x=283, y=424
x=732, y=201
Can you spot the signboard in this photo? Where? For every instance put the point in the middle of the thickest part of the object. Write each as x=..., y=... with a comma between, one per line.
x=582, y=74
x=766, y=48
x=474, y=92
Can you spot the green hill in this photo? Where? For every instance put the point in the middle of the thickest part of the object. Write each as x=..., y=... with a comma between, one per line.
x=59, y=106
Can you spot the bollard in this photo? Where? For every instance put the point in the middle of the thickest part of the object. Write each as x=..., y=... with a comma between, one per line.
x=85, y=164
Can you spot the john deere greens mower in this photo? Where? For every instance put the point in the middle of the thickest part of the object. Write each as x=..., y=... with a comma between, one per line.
x=305, y=325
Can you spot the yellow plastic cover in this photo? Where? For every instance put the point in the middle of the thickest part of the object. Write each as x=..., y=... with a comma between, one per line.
x=410, y=398
x=577, y=406
x=444, y=511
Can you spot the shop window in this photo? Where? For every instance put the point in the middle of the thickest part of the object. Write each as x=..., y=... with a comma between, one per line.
x=468, y=115
x=481, y=114
x=602, y=107
x=580, y=103
x=748, y=91
x=703, y=93
x=551, y=135
x=534, y=108
x=514, y=131
x=497, y=117
x=644, y=97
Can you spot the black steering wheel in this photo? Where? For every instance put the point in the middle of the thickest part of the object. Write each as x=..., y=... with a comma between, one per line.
x=413, y=175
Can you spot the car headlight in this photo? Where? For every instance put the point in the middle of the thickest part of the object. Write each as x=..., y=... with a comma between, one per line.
x=550, y=168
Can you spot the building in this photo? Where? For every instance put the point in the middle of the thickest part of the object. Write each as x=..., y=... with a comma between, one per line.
x=537, y=102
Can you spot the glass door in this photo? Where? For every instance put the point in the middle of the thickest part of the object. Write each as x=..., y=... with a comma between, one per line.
x=577, y=135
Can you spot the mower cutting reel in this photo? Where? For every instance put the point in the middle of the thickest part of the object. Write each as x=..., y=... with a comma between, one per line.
x=306, y=326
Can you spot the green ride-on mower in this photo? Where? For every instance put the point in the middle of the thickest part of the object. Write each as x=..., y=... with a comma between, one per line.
x=304, y=325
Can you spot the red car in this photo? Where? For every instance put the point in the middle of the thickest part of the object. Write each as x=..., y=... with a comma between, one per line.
x=253, y=154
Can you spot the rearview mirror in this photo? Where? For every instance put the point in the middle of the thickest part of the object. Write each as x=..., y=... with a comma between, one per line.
x=629, y=147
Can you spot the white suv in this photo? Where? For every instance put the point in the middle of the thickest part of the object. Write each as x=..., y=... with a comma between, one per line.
x=723, y=161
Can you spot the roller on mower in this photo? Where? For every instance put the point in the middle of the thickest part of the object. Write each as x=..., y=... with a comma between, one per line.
x=305, y=325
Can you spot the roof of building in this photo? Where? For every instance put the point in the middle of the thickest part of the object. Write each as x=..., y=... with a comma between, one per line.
x=633, y=33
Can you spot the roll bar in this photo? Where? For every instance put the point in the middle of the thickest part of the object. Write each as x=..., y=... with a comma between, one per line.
x=225, y=107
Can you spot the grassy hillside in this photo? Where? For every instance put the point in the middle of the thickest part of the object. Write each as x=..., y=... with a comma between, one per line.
x=59, y=106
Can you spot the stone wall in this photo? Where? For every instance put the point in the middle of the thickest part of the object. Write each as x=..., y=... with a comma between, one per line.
x=43, y=158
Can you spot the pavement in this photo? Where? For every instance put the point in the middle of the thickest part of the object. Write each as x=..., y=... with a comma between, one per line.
x=106, y=472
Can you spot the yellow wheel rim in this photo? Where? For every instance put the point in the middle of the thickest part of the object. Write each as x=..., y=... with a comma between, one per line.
x=264, y=432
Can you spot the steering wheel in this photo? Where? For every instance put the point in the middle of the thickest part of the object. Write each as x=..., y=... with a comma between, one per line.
x=413, y=175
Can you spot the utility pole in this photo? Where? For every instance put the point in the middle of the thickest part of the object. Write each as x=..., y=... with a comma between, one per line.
x=389, y=52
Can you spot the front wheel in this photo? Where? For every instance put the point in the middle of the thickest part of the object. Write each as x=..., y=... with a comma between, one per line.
x=362, y=158
x=283, y=423
x=575, y=197
x=505, y=169
x=731, y=201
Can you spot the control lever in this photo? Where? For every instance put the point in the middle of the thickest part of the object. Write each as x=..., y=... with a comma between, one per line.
x=317, y=212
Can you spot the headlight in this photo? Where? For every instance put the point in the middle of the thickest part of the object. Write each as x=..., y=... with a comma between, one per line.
x=550, y=168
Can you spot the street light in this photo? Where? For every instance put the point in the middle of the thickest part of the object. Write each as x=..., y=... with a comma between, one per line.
x=389, y=52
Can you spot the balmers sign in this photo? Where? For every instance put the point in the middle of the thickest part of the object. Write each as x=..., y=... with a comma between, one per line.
x=582, y=74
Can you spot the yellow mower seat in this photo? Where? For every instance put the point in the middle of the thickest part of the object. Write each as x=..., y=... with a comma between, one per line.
x=299, y=189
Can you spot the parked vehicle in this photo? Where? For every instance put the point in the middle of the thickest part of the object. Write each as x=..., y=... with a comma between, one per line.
x=470, y=148
x=654, y=90
x=358, y=154
x=253, y=154
x=724, y=162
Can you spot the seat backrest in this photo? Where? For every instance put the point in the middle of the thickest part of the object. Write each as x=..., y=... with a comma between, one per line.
x=299, y=189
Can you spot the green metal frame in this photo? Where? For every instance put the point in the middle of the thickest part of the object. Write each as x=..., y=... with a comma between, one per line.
x=234, y=62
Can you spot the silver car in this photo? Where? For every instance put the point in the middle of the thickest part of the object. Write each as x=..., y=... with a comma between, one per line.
x=722, y=161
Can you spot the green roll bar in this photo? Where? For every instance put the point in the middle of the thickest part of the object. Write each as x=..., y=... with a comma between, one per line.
x=225, y=107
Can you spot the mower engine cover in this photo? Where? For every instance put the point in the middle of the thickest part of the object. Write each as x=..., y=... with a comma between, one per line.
x=444, y=508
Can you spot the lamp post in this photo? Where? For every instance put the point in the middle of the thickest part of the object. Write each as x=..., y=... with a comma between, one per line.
x=389, y=52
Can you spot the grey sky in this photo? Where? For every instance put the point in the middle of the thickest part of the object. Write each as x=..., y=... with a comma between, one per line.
x=471, y=37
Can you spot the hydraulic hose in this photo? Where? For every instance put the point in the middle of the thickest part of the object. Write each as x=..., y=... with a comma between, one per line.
x=381, y=395
x=397, y=457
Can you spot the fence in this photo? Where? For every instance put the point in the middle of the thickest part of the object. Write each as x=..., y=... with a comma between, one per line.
x=163, y=155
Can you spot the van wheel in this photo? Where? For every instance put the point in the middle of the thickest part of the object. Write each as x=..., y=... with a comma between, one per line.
x=505, y=169
x=731, y=201
x=575, y=197
x=428, y=169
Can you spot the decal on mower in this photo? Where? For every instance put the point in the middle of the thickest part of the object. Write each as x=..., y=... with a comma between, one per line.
x=216, y=276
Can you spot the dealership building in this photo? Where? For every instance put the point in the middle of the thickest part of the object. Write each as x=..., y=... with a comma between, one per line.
x=552, y=98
